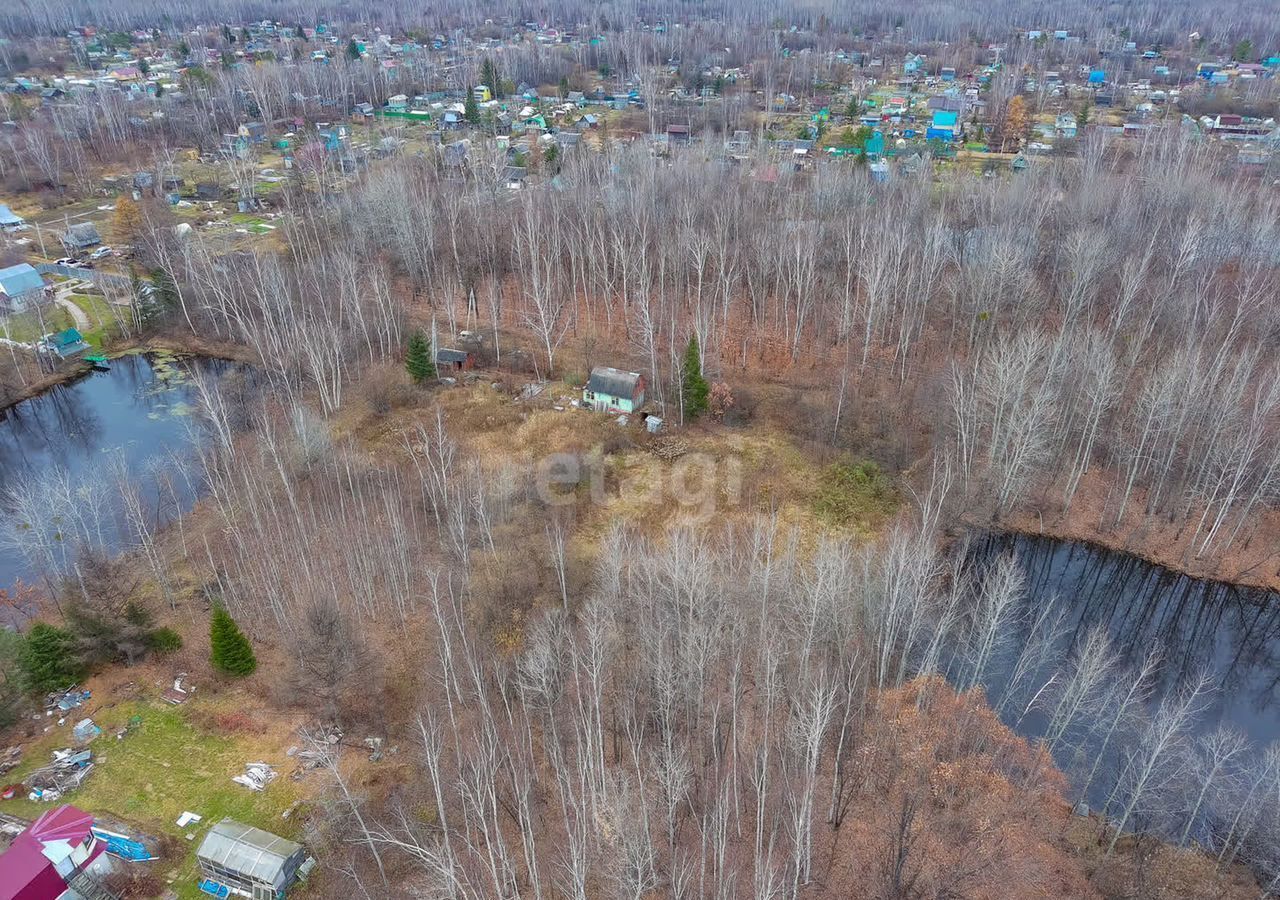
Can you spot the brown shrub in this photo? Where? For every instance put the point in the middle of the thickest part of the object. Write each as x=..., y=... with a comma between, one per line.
x=224, y=722
x=134, y=882
x=386, y=387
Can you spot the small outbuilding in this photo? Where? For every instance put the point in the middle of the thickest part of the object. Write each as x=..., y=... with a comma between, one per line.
x=612, y=390
x=64, y=344
x=248, y=861
x=449, y=360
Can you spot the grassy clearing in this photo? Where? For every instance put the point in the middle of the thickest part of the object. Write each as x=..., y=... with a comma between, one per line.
x=251, y=223
x=172, y=759
x=854, y=494
x=31, y=325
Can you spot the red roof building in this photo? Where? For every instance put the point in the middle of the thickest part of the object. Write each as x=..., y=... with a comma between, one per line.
x=54, y=851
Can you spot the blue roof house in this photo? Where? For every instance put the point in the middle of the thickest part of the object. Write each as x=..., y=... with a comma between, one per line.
x=18, y=284
x=1097, y=76
x=944, y=127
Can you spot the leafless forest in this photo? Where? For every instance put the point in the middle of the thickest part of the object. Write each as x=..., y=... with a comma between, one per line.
x=1078, y=319
x=931, y=21
x=705, y=712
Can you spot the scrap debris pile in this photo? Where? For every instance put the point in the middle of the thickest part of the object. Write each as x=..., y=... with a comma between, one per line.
x=257, y=775
x=69, y=769
x=180, y=692
x=324, y=745
x=65, y=700
x=9, y=759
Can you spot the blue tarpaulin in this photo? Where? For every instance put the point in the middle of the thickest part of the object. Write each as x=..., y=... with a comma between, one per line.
x=122, y=846
x=215, y=889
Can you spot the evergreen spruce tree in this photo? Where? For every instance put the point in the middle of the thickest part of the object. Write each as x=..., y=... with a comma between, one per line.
x=489, y=75
x=164, y=289
x=353, y=49
x=417, y=359
x=231, y=652
x=49, y=660
x=471, y=109
x=694, y=387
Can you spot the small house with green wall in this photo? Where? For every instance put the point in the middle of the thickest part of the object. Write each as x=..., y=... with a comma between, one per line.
x=612, y=390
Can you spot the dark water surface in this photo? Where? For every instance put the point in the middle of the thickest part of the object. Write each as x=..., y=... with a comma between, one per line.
x=1230, y=631
x=135, y=420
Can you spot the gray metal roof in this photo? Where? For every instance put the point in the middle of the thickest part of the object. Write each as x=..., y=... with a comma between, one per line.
x=257, y=854
x=82, y=234
x=444, y=354
x=614, y=382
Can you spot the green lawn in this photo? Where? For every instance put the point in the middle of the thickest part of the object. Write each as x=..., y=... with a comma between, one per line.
x=104, y=317
x=254, y=224
x=31, y=325
x=165, y=765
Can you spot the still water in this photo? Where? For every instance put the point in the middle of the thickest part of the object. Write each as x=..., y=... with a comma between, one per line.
x=1230, y=631
x=79, y=442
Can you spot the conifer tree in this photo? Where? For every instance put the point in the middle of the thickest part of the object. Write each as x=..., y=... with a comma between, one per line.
x=489, y=75
x=417, y=359
x=694, y=387
x=231, y=652
x=471, y=109
x=49, y=660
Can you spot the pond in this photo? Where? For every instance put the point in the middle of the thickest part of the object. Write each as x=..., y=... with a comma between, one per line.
x=1230, y=631
x=71, y=456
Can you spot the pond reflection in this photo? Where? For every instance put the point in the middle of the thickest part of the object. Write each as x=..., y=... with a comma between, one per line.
x=68, y=457
x=1231, y=631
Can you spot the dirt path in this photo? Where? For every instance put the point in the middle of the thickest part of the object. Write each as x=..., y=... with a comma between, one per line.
x=77, y=314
